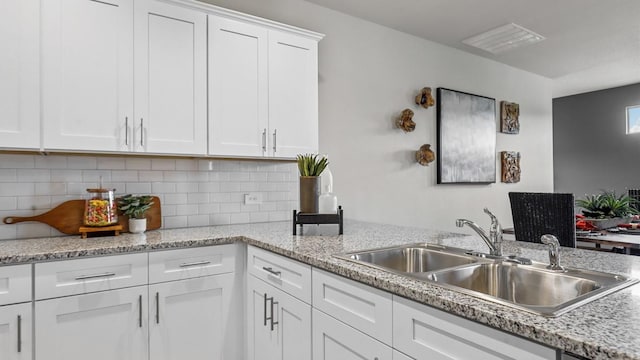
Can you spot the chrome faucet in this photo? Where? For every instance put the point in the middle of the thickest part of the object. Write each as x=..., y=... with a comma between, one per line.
x=554, y=251
x=493, y=239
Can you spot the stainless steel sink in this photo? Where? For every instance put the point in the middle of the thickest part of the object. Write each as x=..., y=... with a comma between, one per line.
x=527, y=286
x=531, y=287
x=417, y=258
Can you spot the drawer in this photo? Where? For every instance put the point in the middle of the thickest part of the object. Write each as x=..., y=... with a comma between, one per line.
x=363, y=307
x=189, y=263
x=15, y=284
x=423, y=332
x=70, y=277
x=333, y=340
x=286, y=274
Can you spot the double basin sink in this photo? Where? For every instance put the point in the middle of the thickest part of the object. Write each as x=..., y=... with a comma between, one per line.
x=510, y=281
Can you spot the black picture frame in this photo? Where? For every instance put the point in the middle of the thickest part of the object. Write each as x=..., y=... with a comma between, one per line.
x=466, y=125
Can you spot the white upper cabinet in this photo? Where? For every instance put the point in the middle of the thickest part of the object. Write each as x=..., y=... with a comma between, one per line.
x=87, y=74
x=263, y=96
x=293, y=94
x=170, y=79
x=238, y=92
x=19, y=71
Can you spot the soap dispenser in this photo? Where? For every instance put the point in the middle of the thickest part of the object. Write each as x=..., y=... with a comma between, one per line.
x=327, y=202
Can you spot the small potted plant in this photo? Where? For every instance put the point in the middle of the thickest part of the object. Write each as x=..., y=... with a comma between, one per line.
x=607, y=210
x=135, y=207
x=310, y=167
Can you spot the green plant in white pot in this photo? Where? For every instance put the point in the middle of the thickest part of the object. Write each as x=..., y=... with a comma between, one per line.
x=135, y=207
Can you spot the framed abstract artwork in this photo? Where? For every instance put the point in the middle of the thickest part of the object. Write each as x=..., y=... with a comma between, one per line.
x=466, y=138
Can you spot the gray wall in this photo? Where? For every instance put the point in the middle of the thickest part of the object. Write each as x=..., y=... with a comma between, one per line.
x=591, y=150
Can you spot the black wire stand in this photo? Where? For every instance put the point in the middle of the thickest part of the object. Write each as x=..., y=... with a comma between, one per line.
x=313, y=218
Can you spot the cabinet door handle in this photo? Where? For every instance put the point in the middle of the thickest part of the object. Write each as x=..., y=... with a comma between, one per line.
x=270, y=317
x=157, y=308
x=141, y=132
x=265, y=309
x=275, y=140
x=271, y=271
x=140, y=311
x=126, y=130
x=273, y=323
x=184, y=265
x=19, y=333
x=95, y=276
x=264, y=140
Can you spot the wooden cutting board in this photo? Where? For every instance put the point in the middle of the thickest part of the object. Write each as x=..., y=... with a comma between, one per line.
x=68, y=217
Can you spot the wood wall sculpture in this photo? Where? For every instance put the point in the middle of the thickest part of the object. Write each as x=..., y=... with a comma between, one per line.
x=510, y=166
x=425, y=99
x=425, y=155
x=509, y=117
x=405, y=121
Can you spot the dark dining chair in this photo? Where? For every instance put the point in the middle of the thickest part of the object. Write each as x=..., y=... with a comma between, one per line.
x=635, y=195
x=537, y=214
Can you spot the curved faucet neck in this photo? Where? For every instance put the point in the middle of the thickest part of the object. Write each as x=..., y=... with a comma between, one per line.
x=493, y=239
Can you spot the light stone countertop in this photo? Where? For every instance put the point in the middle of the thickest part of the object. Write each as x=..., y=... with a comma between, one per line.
x=608, y=328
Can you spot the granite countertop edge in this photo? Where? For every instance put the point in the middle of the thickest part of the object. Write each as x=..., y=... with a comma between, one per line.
x=528, y=326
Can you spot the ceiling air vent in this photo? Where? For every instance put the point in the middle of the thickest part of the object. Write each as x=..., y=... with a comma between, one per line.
x=503, y=38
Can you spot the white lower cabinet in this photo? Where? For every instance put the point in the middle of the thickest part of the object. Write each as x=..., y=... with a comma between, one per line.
x=189, y=319
x=427, y=333
x=15, y=332
x=333, y=339
x=279, y=325
x=100, y=326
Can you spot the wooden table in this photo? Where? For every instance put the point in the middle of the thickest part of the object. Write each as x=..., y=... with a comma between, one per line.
x=625, y=241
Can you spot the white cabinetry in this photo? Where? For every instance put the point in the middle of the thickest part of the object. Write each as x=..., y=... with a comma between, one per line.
x=263, y=90
x=279, y=324
x=333, y=339
x=15, y=320
x=20, y=74
x=426, y=333
x=293, y=95
x=194, y=318
x=102, y=326
x=87, y=74
x=238, y=91
x=189, y=319
x=15, y=332
x=170, y=79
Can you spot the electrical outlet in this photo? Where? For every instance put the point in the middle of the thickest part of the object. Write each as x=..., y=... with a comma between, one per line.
x=252, y=199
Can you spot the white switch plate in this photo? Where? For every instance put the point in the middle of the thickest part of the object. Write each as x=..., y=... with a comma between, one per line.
x=252, y=199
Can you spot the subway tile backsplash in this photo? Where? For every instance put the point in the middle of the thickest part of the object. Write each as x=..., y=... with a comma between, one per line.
x=193, y=192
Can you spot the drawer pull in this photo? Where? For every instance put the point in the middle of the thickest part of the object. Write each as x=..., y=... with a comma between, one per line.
x=270, y=317
x=265, y=309
x=184, y=265
x=271, y=271
x=19, y=333
x=95, y=276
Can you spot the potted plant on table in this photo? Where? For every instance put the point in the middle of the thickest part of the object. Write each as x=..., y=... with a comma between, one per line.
x=607, y=210
x=135, y=207
x=310, y=167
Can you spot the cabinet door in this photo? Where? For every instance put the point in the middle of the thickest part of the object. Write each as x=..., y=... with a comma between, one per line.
x=333, y=339
x=15, y=332
x=238, y=92
x=293, y=95
x=171, y=79
x=101, y=326
x=191, y=319
x=87, y=74
x=279, y=324
x=20, y=71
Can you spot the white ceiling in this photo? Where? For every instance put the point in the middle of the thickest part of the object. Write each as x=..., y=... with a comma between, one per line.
x=590, y=44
